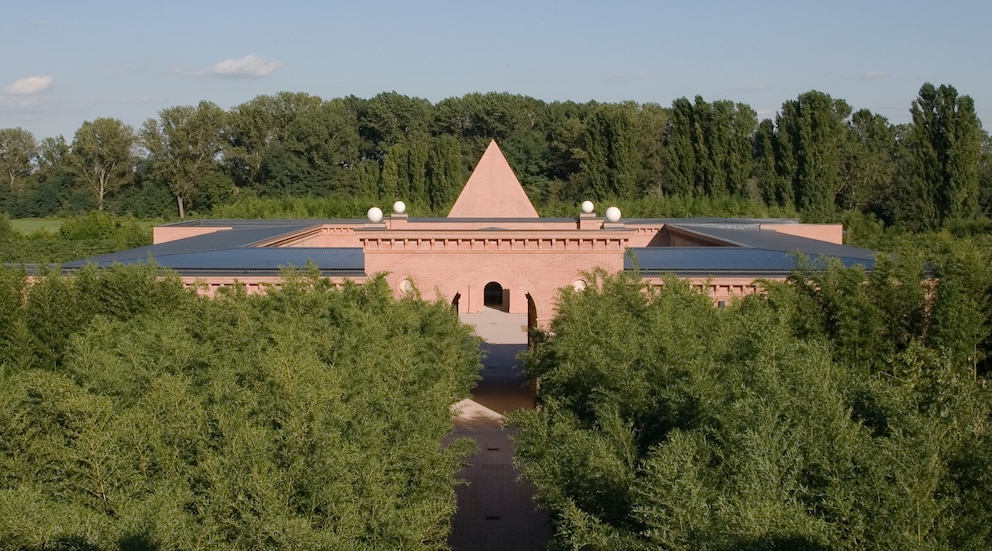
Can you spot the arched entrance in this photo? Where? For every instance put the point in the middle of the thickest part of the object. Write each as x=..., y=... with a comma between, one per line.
x=494, y=296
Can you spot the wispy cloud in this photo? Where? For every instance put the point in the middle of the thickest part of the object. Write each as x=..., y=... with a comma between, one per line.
x=250, y=66
x=28, y=86
x=874, y=74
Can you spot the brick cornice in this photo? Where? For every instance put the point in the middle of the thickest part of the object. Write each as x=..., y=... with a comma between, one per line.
x=493, y=241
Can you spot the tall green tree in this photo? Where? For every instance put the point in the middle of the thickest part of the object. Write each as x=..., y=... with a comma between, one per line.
x=18, y=149
x=609, y=168
x=942, y=155
x=680, y=155
x=867, y=180
x=103, y=156
x=406, y=166
x=709, y=148
x=313, y=153
x=985, y=176
x=444, y=173
x=387, y=119
x=257, y=124
x=812, y=133
x=649, y=128
x=184, y=144
x=768, y=169
x=53, y=155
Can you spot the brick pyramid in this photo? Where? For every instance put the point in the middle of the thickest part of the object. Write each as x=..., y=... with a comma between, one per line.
x=493, y=191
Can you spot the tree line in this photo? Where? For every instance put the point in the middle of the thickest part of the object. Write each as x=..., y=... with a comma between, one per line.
x=816, y=157
x=135, y=414
x=838, y=410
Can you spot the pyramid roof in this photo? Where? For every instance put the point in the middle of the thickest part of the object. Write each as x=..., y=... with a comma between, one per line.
x=493, y=191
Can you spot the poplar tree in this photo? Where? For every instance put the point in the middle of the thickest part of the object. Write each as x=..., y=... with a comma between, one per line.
x=944, y=146
x=812, y=135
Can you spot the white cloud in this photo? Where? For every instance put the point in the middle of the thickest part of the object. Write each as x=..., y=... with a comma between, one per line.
x=28, y=86
x=874, y=74
x=250, y=66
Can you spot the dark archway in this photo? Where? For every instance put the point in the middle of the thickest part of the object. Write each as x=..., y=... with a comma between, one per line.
x=531, y=317
x=493, y=296
x=454, y=302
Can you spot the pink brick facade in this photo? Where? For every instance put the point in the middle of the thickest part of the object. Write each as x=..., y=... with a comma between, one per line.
x=493, y=235
x=524, y=263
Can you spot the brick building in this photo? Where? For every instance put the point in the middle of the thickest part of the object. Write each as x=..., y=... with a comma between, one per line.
x=492, y=250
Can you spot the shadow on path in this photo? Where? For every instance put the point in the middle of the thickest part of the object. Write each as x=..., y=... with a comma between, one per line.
x=495, y=510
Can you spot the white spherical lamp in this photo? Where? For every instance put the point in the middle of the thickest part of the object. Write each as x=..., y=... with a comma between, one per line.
x=587, y=206
x=613, y=214
x=375, y=215
x=399, y=207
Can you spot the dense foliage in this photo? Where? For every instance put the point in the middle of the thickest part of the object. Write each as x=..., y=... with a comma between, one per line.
x=817, y=156
x=78, y=237
x=136, y=415
x=839, y=410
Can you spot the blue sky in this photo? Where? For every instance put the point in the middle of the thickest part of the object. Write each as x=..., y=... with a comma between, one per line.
x=66, y=62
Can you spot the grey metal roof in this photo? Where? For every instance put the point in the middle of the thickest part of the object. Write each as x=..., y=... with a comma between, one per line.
x=744, y=236
x=749, y=251
x=724, y=261
x=244, y=260
x=230, y=251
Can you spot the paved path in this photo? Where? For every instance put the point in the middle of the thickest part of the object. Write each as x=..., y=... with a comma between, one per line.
x=495, y=510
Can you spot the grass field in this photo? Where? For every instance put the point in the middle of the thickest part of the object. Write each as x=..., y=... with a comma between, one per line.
x=31, y=225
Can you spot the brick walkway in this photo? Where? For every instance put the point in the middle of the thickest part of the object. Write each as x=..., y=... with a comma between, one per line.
x=495, y=510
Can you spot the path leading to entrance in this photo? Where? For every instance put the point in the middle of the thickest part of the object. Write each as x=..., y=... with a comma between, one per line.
x=495, y=510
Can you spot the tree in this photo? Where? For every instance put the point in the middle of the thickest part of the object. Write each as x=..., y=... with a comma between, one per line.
x=869, y=163
x=775, y=190
x=309, y=418
x=53, y=155
x=610, y=167
x=709, y=148
x=943, y=148
x=103, y=156
x=387, y=119
x=840, y=410
x=259, y=123
x=650, y=122
x=184, y=145
x=812, y=133
x=679, y=154
x=18, y=149
x=985, y=176
x=444, y=173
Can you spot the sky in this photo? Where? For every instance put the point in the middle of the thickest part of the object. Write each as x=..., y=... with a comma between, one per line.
x=66, y=62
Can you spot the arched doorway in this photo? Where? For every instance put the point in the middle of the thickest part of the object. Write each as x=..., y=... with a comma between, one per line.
x=494, y=296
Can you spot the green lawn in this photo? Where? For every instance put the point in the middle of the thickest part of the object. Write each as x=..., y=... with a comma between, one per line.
x=31, y=225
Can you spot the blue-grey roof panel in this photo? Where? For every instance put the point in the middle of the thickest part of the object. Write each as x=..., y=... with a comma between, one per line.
x=703, y=261
x=245, y=259
x=773, y=240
